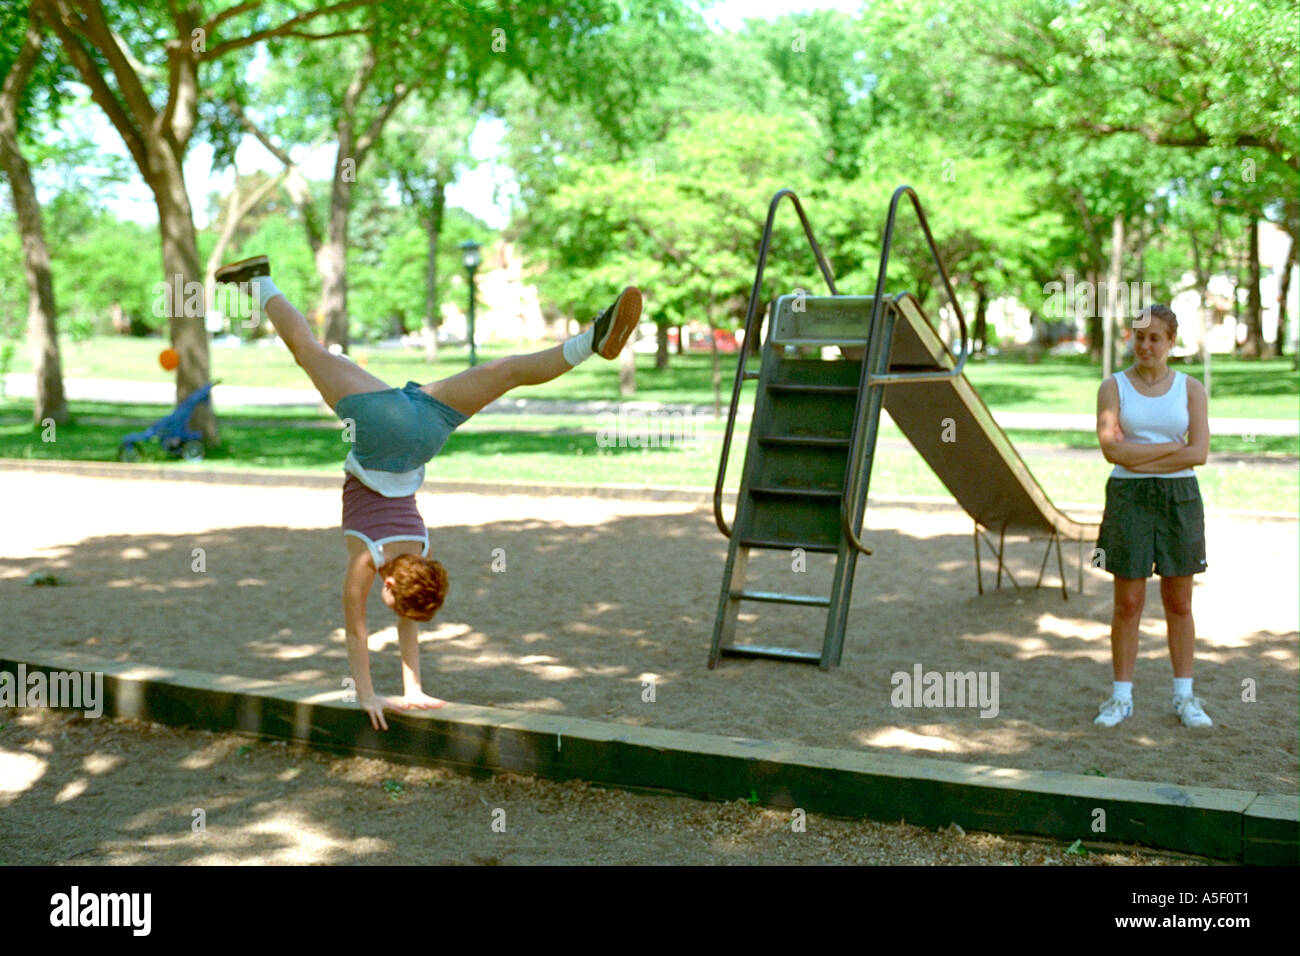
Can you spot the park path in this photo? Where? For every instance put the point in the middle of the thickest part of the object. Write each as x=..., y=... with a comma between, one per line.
x=17, y=385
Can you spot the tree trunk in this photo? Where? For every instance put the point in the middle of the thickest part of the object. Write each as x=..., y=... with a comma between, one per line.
x=1141, y=253
x=681, y=339
x=661, y=345
x=1283, y=291
x=432, y=316
x=157, y=142
x=331, y=263
x=42, y=328
x=235, y=211
x=185, y=313
x=1112, y=296
x=1254, y=345
x=1203, y=291
x=1092, y=259
x=1096, y=335
x=980, y=331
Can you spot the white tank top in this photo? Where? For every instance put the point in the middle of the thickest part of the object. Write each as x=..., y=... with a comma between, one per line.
x=1152, y=421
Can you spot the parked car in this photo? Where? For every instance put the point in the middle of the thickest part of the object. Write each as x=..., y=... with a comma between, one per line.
x=725, y=340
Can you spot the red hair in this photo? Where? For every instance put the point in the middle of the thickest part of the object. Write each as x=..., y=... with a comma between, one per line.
x=419, y=585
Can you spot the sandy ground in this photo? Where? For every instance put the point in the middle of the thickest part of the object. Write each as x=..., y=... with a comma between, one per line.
x=108, y=792
x=598, y=598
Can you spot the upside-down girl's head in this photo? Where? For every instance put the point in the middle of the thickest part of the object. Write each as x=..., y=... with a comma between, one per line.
x=417, y=586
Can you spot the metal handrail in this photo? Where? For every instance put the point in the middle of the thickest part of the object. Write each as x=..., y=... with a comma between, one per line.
x=750, y=330
x=852, y=477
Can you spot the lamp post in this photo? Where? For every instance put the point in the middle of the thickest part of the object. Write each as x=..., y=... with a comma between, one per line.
x=472, y=259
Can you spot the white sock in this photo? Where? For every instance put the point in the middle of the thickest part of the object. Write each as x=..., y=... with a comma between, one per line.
x=579, y=348
x=1123, y=690
x=264, y=289
x=1182, y=687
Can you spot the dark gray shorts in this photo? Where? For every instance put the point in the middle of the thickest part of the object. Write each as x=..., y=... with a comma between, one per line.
x=400, y=429
x=1150, y=522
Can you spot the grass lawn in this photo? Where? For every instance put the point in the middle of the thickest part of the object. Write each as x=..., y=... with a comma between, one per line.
x=566, y=449
x=1264, y=389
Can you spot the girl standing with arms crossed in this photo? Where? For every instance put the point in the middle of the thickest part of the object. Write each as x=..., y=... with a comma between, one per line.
x=1153, y=424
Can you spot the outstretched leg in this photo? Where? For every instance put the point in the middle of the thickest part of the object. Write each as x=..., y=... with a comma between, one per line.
x=472, y=389
x=334, y=376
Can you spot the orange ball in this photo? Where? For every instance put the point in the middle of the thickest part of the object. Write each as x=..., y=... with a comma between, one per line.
x=169, y=359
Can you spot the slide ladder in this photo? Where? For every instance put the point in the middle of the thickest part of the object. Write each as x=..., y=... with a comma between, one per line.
x=812, y=440
x=813, y=437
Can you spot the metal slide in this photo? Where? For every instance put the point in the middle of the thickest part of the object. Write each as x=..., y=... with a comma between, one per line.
x=978, y=465
x=812, y=441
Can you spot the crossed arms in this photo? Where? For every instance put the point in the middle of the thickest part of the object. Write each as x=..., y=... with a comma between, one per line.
x=1153, y=459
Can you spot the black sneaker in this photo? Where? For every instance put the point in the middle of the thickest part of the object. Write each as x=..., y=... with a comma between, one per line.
x=244, y=270
x=614, y=326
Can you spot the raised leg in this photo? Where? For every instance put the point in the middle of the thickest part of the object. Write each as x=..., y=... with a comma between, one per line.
x=333, y=375
x=470, y=390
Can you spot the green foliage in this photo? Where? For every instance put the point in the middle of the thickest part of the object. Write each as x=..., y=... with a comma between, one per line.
x=386, y=268
x=8, y=349
x=47, y=86
x=683, y=222
x=292, y=263
x=13, y=284
x=820, y=60
x=111, y=261
x=986, y=216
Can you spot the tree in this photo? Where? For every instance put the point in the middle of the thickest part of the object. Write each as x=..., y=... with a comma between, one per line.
x=150, y=92
x=822, y=65
x=238, y=205
x=1153, y=68
x=573, y=51
x=1116, y=99
x=686, y=224
x=422, y=156
x=25, y=66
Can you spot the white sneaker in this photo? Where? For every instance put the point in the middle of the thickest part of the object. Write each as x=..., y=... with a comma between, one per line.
x=1189, y=711
x=1113, y=711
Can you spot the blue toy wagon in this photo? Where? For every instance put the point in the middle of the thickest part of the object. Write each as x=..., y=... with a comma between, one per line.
x=172, y=431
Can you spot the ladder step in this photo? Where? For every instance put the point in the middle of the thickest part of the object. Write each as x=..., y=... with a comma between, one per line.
x=808, y=600
x=772, y=653
x=776, y=545
x=797, y=493
x=810, y=441
x=813, y=389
